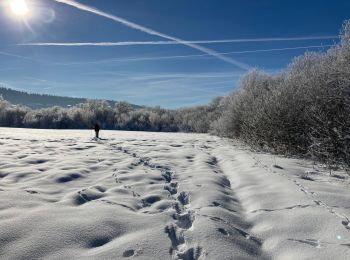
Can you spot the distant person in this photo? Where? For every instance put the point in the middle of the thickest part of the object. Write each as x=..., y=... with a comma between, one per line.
x=97, y=130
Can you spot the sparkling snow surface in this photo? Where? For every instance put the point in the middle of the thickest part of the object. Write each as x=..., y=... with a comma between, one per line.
x=136, y=195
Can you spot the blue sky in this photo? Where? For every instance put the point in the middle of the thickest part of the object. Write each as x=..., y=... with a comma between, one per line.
x=170, y=75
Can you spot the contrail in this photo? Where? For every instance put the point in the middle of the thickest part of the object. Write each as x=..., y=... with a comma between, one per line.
x=279, y=49
x=131, y=43
x=223, y=53
x=153, y=32
x=24, y=58
x=17, y=56
x=131, y=59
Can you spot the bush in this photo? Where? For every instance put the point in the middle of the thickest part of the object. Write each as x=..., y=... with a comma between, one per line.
x=120, y=117
x=304, y=110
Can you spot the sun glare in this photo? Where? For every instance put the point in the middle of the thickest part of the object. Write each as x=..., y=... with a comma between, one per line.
x=19, y=7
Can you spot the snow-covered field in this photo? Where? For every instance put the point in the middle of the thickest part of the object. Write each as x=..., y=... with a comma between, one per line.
x=64, y=195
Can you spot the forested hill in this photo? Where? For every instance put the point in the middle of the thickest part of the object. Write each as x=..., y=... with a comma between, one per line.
x=41, y=100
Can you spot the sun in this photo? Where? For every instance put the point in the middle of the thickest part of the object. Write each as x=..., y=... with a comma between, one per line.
x=19, y=7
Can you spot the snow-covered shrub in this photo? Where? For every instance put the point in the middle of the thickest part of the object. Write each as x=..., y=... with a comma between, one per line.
x=304, y=110
x=198, y=119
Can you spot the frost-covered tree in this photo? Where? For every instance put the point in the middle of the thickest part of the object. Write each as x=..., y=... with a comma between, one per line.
x=305, y=110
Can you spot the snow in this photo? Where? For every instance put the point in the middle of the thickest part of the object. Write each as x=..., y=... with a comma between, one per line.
x=137, y=195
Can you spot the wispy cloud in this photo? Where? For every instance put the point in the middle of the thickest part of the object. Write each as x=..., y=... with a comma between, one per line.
x=168, y=89
x=132, y=43
x=17, y=56
x=178, y=88
x=38, y=80
x=281, y=49
x=153, y=32
x=174, y=57
x=144, y=77
x=211, y=75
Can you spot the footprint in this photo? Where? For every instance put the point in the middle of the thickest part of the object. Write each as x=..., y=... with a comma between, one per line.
x=100, y=188
x=32, y=191
x=212, y=161
x=346, y=224
x=303, y=190
x=216, y=219
x=68, y=178
x=149, y=200
x=39, y=161
x=135, y=194
x=175, y=238
x=307, y=178
x=248, y=236
x=176, y=145
x=97, y=242
x=184, y=198
x=223, y=231
x=193, y=253
x=216, y=204
x=319, y=203
x=167, y=176
x=337, y=176
x=172, y=188
x=3, y=175
x=129, y=253
x=87, y=195
x=311, y=242
x=185, y=221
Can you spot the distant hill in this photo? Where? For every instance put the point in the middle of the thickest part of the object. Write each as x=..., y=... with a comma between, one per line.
x=42, y=100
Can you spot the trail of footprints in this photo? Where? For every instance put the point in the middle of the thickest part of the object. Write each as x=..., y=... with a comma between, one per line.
x=183, y=217
x=345, y=219
x=233, y=230
x=318, y=203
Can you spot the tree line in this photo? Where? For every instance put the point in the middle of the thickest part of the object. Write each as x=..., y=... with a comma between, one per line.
x=121, y=116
